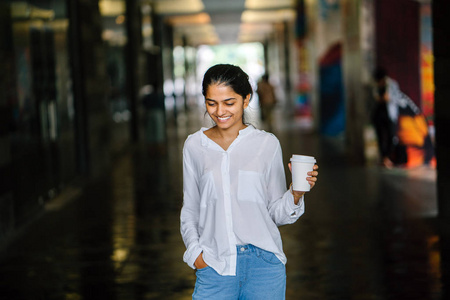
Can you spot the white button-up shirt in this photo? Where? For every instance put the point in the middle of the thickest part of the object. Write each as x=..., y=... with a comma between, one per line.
x=233, y=197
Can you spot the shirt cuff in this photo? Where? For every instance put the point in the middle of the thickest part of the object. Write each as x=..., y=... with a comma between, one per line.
x=296, y=210
x=191, y=255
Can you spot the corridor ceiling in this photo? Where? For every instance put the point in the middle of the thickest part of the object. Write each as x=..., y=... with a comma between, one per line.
x=224, y=21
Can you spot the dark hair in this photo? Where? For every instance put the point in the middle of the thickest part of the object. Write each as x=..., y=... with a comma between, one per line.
x=382, y=91
x=229, y=75
x=379, y=73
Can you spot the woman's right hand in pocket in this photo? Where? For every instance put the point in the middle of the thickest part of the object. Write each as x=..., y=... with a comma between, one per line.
x=199, y=262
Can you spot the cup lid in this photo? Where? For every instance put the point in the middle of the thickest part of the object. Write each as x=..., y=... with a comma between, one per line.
x=303, y=158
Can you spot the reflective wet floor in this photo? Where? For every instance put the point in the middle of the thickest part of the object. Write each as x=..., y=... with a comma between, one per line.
x=367, y=233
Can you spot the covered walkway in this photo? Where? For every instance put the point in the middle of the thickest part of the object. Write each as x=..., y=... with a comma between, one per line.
x=89, y=211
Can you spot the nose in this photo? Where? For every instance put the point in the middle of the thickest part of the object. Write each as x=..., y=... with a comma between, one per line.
x=220, y=109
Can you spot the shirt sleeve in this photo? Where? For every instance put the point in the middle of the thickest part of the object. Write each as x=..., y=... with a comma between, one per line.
x=281, y=206
x=190, y=212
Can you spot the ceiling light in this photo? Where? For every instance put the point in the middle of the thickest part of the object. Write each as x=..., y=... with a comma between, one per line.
x=178, y=6
x=201, y=18
x=269, y=16
x=268, y=4
x=109, y=8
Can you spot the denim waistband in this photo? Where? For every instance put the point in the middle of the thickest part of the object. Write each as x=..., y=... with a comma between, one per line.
x=245, y=249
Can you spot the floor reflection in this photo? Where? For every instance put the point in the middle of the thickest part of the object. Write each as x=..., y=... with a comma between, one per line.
x=367, y=233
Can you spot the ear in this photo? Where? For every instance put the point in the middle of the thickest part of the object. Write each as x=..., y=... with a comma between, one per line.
x=247, y=101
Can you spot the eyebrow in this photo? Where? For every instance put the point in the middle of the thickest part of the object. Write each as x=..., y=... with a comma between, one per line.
x=229, y=99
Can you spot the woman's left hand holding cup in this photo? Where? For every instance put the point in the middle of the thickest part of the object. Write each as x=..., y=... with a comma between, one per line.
x=311, y=180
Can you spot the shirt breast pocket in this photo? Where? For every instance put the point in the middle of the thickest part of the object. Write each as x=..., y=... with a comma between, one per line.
x=251, y=187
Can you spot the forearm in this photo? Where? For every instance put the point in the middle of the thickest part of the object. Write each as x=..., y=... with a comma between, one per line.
x=284, y=210
x=190, y=236
x=189, y=230
x=297, y=195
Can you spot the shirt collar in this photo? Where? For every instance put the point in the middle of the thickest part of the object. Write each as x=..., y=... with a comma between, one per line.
x=243, y=132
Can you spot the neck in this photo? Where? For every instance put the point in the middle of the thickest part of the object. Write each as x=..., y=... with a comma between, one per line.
x=230, y=133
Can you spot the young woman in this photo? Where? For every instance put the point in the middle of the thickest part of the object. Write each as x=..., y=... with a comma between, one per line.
x=235, y=197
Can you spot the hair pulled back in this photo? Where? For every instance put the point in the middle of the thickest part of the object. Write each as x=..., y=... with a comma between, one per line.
x=228, y=75
x=379, y=73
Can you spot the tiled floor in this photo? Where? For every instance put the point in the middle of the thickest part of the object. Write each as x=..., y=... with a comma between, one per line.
x=367, y=233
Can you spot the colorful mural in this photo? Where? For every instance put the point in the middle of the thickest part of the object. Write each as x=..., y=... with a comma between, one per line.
x=426, y=63
x=303, y=86
x=332, y=104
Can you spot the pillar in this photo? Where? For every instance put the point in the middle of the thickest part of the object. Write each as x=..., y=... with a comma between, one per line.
x=441, y=49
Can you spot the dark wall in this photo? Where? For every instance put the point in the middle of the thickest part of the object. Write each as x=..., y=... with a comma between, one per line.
x=37, y=145
x=441, y=46
x=397, y=43
x=7, y=91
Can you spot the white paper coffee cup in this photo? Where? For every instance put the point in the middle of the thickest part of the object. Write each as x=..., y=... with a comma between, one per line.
x=301, y=165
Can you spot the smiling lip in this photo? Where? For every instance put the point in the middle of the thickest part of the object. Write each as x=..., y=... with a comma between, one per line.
x=221, y=119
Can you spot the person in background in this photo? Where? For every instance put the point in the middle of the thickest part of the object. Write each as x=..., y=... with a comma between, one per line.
x=235, y=197
x=401, y=127
x=267, y=100
x=384, y=122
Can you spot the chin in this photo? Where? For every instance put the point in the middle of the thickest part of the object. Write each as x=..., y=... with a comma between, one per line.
x=224, y=125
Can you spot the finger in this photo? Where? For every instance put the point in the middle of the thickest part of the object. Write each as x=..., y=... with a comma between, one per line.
x=290, y=167
x=316, y=167
x=299, y=193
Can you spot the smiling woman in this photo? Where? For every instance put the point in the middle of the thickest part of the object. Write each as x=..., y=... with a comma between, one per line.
x=235, y=197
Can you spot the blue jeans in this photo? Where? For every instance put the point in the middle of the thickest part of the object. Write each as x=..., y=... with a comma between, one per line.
x=259, y=275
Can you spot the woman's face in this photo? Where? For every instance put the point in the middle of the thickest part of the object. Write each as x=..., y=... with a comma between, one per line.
x=224, y=106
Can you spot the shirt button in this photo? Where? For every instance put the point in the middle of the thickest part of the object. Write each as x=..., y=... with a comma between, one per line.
x=242, y=249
